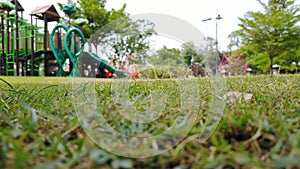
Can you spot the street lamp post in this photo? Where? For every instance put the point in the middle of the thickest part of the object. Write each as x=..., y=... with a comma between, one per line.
x=217, y=47
x=217, y=43
x=206, y=40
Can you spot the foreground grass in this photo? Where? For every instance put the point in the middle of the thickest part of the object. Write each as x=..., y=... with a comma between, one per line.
x=39, y=128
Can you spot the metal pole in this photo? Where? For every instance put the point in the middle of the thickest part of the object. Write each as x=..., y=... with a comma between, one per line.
x=217, y=46
x=45, y=45
x=32, y=49
x=3, y=43
x=7, y=34
x=17, y=38
x=206, y=40
x=26, y=50
x=217, y=54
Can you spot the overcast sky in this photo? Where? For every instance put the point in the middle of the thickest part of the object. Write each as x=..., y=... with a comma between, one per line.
x=192, y=11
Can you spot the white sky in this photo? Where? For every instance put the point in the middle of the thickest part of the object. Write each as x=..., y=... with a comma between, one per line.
x=192, y=11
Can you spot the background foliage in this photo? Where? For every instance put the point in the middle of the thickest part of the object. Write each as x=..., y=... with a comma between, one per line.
x=269, y=37
x=112, y=31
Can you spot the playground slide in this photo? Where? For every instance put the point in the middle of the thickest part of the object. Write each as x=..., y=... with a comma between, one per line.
x=106, y=65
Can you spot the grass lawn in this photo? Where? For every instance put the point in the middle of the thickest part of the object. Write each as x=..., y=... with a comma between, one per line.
x=39, y=127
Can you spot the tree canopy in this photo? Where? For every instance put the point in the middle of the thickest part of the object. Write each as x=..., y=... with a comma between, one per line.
x=189, y=51
x=167, y=56
x=125, y=37
x=113, y=29
x=178, y=57
x=271, y=36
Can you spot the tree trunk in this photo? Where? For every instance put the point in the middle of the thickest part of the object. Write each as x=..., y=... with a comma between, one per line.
x=271, y=64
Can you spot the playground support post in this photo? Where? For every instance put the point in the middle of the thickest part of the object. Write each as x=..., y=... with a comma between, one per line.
x=7, y=34
x=17, y=38
x=26, y=53
x=2, y=33
x=32, y=50
x=45, y=44
x=3, y=49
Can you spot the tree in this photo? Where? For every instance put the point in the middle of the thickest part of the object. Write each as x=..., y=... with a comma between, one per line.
x=235, y=41
x=167, y=57
x=272, y=36
x=189, y=51
x=96, y=14
x=126, y=37
x=113, y=30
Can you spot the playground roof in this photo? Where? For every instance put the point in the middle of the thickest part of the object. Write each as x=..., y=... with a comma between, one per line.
x=48, y=10
x=19, y=6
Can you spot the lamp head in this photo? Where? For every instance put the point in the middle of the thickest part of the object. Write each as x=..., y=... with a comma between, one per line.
x=219, y=17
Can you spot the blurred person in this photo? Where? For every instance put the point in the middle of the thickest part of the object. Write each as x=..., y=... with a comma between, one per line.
x=133, y=72
x=197, y=69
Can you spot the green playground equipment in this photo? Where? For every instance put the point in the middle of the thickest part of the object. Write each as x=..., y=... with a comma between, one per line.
x=74, y=56
x=7, y=58
x=66, y=52
x=16, y=35
x=23, y=48
x=107, y=66
x=62, y=54
x=69, y=9
x=6, y=5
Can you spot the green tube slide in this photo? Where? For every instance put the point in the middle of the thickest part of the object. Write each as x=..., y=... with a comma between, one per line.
x=107, y=66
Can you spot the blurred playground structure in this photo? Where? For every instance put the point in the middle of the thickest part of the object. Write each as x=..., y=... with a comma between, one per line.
x=23, y=46
x=233, y=65
x=29, y=50
x=26, y=51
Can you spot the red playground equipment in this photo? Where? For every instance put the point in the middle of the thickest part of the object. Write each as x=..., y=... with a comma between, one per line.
x=233, y=65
